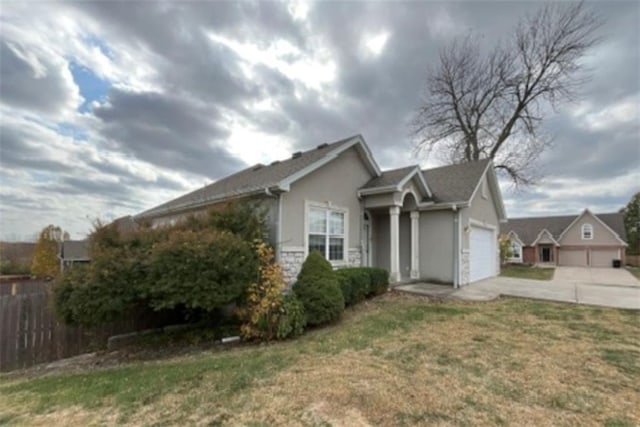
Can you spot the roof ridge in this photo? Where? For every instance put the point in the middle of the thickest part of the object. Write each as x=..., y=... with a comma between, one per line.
x=563, y=216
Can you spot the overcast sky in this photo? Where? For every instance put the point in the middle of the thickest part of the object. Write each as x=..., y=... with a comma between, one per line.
x=108, y=109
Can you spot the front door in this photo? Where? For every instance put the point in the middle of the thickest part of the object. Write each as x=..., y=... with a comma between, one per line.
x=546, y=254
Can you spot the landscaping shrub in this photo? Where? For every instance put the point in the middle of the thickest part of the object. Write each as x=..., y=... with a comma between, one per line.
x=379, y=281
x=195, y=267
x=292, y=320
x=318, y=290
x=246, y=219
x=355, y=284
x=101, y=292
x=204, y=270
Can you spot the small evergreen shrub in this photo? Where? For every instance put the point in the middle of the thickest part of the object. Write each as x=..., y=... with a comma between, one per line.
x=318, y=289
x=355, y=284
x=379, y=281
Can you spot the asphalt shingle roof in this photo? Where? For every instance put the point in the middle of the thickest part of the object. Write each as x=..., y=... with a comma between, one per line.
x=528, y=229
x=455, y=183
x=250, y=179
x=390, y=177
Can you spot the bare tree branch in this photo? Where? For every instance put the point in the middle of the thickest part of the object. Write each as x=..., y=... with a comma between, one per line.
x=491, y=106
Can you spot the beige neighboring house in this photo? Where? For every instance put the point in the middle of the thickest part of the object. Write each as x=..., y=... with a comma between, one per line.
x=438, y=224
x=584, y=240
x=71, y=252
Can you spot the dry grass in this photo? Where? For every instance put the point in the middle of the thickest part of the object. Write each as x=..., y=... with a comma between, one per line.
x=398, y=360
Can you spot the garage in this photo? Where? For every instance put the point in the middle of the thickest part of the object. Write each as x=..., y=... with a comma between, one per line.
x=482, y=256
x=603, y=257
x=573, y=257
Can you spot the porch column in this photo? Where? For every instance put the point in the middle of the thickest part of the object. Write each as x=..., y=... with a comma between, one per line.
x=394, y=218
x=415, y=244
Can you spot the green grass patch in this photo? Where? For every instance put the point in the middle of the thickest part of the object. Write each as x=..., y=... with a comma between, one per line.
x=626, y=360
x=527, y=272
x=619, y=422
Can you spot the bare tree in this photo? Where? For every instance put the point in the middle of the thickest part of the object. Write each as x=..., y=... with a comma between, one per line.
x=491, y=105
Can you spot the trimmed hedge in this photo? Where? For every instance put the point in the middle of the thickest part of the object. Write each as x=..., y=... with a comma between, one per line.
x=379, y=281
x=318, y=290
x=359, y=283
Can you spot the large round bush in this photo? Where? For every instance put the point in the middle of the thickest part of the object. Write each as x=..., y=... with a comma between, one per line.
x=200, y=270
x=318, y=290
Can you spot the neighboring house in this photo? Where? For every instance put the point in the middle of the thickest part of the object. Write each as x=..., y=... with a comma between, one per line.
x=72, y=252
x=585, y=240
x=438, y=224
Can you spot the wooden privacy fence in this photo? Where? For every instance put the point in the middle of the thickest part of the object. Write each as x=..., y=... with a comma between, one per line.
x=30, y=332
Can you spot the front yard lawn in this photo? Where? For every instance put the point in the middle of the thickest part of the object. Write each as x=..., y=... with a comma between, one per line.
x=527, y=272
x=394, y=360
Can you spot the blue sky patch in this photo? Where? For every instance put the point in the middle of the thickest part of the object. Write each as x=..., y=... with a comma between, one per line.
x=92, y=88
x=69, y=129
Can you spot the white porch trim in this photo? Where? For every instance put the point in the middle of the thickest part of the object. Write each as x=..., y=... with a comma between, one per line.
x=394, y=228
x=415, y=245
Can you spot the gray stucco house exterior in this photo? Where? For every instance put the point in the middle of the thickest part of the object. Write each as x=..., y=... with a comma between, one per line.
x=438, y=224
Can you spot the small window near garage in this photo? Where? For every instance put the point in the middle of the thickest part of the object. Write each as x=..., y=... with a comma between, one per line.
x=587, y=232
x=326, y=232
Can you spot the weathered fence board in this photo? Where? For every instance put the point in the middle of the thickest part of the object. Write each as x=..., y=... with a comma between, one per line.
x=30, y=332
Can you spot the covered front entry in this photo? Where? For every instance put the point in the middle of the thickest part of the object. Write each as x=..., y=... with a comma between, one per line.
x=395, y=232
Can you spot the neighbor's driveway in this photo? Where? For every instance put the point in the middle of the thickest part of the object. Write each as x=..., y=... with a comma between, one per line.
x=598, y=276
x=582, y=287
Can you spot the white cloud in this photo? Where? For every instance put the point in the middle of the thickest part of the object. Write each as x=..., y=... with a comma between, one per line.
x=313, y=71
x=598, y=118
x=376, y=44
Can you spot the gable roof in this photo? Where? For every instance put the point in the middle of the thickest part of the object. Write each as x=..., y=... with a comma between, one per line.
x=394, y=180
x=389, y=178
x=527, y=229
x=260, y=178
x=455, y=183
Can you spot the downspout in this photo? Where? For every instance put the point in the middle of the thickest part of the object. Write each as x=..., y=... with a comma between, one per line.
x=276, y=244
x=456, y=228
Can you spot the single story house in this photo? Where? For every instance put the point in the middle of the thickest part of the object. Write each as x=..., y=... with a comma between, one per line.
x=72, y=252
x=584, y=240
x=438, y=224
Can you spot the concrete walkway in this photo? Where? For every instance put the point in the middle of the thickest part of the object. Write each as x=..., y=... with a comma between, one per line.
x=580, y=293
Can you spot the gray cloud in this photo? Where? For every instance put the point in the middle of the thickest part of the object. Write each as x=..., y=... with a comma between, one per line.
x=32, y=81
x=167, y=131
x=180, y=121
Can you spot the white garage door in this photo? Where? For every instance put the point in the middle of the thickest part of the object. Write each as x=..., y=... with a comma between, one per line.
x=603, y=257
x=483, y=256
x=573, y=257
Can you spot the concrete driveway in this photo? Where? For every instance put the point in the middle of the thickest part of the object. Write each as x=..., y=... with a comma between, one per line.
x=595, y=276
x=558, y=289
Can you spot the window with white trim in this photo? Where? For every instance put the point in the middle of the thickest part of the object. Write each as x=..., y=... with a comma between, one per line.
x=587, y=232
x=516, y=250
x=326, y=232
